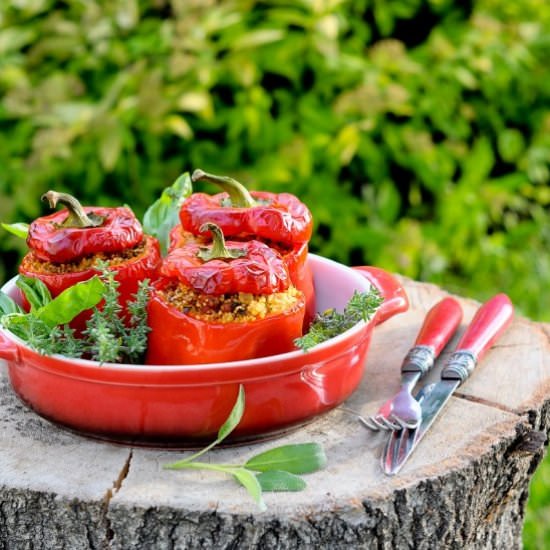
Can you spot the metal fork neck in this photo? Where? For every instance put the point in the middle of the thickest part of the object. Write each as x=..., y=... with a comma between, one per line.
x=419, y=359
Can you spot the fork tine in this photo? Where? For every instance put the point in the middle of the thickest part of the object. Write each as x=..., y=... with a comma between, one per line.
x=370, y=423
x=389, y=423
x=403, y=425
x=380, y=421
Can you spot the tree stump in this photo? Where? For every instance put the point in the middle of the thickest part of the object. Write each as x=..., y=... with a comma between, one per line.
x=465, y=486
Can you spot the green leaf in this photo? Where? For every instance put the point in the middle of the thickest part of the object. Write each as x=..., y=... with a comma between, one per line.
x=36, y=292
x=249, y=481
x=72, y=301
x=18, y=229
x=163, y=214
x=234, y=416
x=275, y=481
x=8, y=305
x=302, y=458
x=227, y=427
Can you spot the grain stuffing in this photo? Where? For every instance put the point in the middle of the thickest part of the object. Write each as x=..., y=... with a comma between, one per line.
x=113, y=259
x=229, y=308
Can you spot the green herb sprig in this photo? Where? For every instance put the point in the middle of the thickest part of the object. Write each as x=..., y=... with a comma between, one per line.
x=44, y=328
x=108, y=337
x=277, y=469
x=330, y=323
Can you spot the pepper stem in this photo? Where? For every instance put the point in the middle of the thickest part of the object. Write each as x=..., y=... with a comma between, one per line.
x=218, y=250
x=76, y=217
x=238, y=193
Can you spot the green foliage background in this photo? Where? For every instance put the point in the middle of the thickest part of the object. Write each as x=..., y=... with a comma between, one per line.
x=418, y=131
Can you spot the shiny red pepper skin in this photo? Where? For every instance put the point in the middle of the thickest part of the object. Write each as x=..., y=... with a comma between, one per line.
x=50, y=243
x=179, y=339
x=284, y=219
x=128, y=274
x=295, y=259
x=260, y=271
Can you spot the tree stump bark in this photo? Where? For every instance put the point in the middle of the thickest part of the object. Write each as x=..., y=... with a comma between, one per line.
x=465, y=486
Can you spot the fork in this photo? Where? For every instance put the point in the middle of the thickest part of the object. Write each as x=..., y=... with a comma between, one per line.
x=403, y=410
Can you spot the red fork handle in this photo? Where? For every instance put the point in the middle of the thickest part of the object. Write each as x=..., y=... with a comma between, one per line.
x=395, y=297
x=8, y=348
x=439, y=325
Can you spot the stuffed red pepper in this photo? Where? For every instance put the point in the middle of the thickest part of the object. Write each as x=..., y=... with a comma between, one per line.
x=66, y=245
x=280, y=220
x=222, y=302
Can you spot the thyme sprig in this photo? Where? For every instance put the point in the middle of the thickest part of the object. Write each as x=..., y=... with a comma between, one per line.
x=330, y=323
x=110, y=337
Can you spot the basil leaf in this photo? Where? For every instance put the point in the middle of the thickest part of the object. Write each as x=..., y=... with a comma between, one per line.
x=18, y=229
x=36, y=292
x=297, y=459
x=7, y=305
x=163, y=214
x=248, y=480
x=234, y=416
x=275, y=481
x=71, y=302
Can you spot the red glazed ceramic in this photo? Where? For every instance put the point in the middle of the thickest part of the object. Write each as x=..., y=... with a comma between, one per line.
x=185, y=405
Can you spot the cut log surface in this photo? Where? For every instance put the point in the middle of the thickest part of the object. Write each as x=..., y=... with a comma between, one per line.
x=465, y=486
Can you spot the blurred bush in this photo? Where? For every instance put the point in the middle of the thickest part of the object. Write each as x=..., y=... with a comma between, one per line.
x=418, y=131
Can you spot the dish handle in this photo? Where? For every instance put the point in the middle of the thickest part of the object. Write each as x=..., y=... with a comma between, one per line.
x=395, y=297
x=8, y=349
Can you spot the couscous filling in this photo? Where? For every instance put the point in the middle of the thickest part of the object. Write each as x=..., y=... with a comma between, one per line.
x=229, y=308
x=86, y=262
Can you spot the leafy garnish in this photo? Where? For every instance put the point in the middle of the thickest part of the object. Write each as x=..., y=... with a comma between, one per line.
x=163, y=214
x=72, y=301
x=330, y=323
x=36, y=292
x=296, y=459
x=273, y=470
x=108, y=336
x=20, y=230
x=8, y=305
x=111, y=338
x=41, y=328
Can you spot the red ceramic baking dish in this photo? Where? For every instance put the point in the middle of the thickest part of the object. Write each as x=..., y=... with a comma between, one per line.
x=185, y=405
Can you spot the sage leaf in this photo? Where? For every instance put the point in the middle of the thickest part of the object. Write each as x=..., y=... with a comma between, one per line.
x=36, y=292
x=249, y=481
x=18, y=229
x=72, y=301
x=227, y=427
x=301, y=458
x=163, y=214
x=234, y=416
x=275, y=481
x=8, y=305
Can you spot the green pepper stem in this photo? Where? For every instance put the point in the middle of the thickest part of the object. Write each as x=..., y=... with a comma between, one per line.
x=238, y=193
x=76, y=217
x=218, y=250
